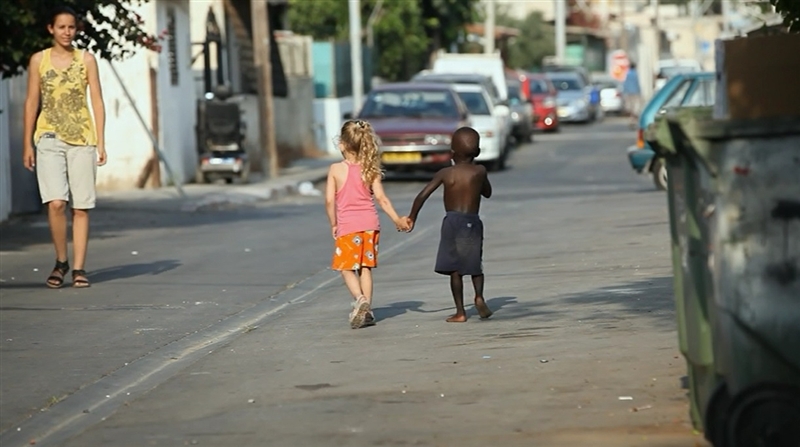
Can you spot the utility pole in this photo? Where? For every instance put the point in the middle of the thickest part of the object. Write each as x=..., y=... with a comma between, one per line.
x=259, y=12
x=624, y=32
x=357, y=76
x=726, y=17
x=656, y=28
x=561, y=30
x=488, y=28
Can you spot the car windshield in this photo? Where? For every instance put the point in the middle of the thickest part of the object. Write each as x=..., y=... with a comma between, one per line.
x=410, y=103
x=476, y=103
x=567, y=84
x=538, y=86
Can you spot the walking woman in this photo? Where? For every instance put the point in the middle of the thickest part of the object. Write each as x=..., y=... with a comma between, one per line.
x=69, y=144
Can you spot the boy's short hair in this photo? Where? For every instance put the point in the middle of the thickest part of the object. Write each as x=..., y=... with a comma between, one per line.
x=466, y=142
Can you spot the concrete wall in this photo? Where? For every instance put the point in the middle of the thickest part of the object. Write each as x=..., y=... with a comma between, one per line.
x=24, y=189
x=294, y=119
x=5, y=155
x=328, y=118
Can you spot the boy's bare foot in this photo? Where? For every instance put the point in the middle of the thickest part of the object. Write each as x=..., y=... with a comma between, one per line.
x=457, y=318
x=483, y=309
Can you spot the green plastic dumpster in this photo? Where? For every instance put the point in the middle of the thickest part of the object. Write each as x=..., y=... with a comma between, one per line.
x=688, y=197
x=753, y=168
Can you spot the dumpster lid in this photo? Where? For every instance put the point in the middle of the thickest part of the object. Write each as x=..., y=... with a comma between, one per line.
x=760, y=128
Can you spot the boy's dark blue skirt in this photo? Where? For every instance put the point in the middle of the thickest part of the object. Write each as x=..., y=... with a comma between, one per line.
x=461, y=245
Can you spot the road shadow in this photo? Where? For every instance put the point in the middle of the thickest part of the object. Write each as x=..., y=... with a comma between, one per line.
x=652, y=298
x=400, y=308
x=133, y=270
x=509, y=308
x=111, y=221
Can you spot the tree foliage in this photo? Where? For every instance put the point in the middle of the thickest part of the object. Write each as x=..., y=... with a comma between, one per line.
x=535, y=42
x=790, y=9
x=108, y=28
x=406, y=32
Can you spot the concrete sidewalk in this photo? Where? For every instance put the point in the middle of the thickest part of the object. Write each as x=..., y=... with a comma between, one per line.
x=214, y=196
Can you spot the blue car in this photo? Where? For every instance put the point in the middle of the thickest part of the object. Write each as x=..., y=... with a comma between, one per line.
x=683, y=90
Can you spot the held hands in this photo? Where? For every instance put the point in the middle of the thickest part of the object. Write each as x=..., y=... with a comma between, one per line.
x=405, y=224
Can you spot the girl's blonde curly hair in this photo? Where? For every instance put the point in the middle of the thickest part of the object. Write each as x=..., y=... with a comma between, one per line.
x=358, y=137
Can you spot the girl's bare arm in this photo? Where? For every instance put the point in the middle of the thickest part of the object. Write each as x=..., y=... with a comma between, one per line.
x=386, y=204
x=330, y=199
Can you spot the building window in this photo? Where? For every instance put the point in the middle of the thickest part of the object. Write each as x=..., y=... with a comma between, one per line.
x=172, y=47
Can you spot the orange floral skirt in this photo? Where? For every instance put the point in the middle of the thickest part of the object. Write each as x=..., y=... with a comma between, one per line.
x=356, y=251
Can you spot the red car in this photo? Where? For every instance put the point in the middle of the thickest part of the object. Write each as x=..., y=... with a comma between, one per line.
x=543, y=98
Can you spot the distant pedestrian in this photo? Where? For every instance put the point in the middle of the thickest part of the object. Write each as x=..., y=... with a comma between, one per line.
x=69, y=143
x=355, y=226
x=461, y=244
x=632, y=91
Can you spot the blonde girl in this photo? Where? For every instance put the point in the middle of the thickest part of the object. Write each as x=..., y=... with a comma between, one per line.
x=354, y=185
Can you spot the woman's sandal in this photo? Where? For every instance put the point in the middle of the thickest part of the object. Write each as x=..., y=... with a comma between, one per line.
x=56, y=278
x=79, y=279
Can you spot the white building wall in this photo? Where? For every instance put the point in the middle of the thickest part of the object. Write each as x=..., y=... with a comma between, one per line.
x=177, y=101
x=128, y=142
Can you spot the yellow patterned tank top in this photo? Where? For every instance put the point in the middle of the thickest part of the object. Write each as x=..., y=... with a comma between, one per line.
x=65, y=107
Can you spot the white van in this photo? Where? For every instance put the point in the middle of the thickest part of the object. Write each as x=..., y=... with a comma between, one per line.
x=485, y=64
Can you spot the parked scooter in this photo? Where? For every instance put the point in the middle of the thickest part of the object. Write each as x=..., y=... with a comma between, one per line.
x=220, y=139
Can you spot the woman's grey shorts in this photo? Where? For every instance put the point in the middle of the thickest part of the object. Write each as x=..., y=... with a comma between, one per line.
x=66, y=172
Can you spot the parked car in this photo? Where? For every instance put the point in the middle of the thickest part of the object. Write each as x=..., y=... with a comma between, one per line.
x=488, y=122
x=683, y=90
x=543, y=99
x=573, y=98
x=415, y=122
x=478, y=79
x=521, y=112
x=611, y=100
x=667, y=68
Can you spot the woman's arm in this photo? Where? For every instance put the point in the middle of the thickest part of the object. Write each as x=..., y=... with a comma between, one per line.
x=31, y=109
x=98, y=106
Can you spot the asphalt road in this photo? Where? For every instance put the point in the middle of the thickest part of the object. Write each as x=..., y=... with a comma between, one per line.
x=226, y=328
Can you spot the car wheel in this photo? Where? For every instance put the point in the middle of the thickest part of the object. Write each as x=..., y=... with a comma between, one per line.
x=660, y=174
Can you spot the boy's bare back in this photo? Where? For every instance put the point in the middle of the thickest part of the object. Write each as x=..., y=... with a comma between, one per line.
x=464, y=184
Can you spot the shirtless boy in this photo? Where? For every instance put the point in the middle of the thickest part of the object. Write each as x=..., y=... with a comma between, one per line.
x=461, y=244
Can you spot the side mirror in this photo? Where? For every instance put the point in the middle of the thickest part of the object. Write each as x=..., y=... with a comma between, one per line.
x=348, y=115
x=502, y=110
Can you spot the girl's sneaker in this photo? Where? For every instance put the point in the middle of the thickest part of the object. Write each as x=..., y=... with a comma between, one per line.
x=359, y=313
x=369, y=319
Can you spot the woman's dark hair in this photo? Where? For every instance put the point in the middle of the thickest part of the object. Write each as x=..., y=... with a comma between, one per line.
x=59, y=10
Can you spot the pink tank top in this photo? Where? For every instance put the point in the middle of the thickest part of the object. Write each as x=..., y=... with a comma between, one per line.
x=355, y=209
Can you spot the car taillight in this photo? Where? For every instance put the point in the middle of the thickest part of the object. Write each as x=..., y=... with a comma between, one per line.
x=640, y=139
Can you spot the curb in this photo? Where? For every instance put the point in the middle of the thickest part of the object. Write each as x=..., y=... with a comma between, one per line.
x=250, y=194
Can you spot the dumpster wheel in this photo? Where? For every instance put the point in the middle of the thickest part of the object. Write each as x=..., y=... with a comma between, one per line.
x=716, y=417
x=765, y=416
